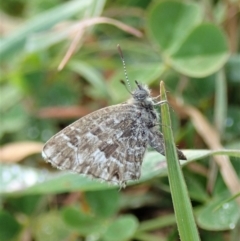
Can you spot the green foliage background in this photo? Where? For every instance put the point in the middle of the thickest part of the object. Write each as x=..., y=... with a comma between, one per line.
x=192, y=45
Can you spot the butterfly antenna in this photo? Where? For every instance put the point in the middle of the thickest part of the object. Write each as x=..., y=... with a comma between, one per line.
x=124, y=67
x=124, y=83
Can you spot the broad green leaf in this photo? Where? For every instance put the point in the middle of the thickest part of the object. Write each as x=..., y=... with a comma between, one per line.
x=169, y=23
x=123, y=228
x=103, y=203
x=9, y=227
x=25, y=180
x=223, y=218
x=50, y=226
x=196, y=189
x=25, y=204
x=202, y=53
x=81, y=222
x=192, y=48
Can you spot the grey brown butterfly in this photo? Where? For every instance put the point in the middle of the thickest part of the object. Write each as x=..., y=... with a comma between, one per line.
x=109, y=144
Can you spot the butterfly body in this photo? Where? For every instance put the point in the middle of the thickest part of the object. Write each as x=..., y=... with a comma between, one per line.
x=109, y=144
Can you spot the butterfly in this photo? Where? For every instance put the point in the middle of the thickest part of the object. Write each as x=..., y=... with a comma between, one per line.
x=110, y=143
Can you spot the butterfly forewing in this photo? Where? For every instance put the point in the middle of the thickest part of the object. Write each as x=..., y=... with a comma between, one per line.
x=108, y=144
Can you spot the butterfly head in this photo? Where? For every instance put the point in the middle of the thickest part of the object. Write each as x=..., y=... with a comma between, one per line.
x=142, y=94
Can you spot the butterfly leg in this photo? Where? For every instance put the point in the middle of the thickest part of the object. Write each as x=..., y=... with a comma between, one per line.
x=155, y=98
x=156, y=141
x=161, y=102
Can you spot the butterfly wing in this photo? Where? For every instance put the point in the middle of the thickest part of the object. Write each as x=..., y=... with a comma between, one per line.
x=108, y=144
x=156, y=141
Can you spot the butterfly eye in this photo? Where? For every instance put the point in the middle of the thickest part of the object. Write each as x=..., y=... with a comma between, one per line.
x=141, y=95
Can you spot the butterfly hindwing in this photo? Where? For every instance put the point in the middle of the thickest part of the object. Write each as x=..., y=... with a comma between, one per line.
x=108, y=144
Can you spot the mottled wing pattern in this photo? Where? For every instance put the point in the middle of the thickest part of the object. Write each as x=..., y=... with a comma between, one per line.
x=108, y=144
x=156, y=141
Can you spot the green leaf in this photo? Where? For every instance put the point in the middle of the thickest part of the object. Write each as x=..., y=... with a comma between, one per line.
x=223, y=218
x=169, y=23
x=232, y=69
x=66, y=182
x=46, y=20
x=196, y=189
x=13, y=120
x=220, y=109
x=199, y=55
x=92, y=76
x=157, y=223
x=9, y=226
x=104, y=203
x=50, y=226
x=17, y=183
x=121, y=229
x=10, y=96
x=82, y=223
x=191, y=48
x=25, y=204
x=181, y=202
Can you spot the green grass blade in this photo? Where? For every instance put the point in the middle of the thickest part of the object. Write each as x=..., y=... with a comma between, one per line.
x=181, y=202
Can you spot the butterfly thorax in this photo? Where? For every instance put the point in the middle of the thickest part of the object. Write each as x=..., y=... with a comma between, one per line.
x=141, y=98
